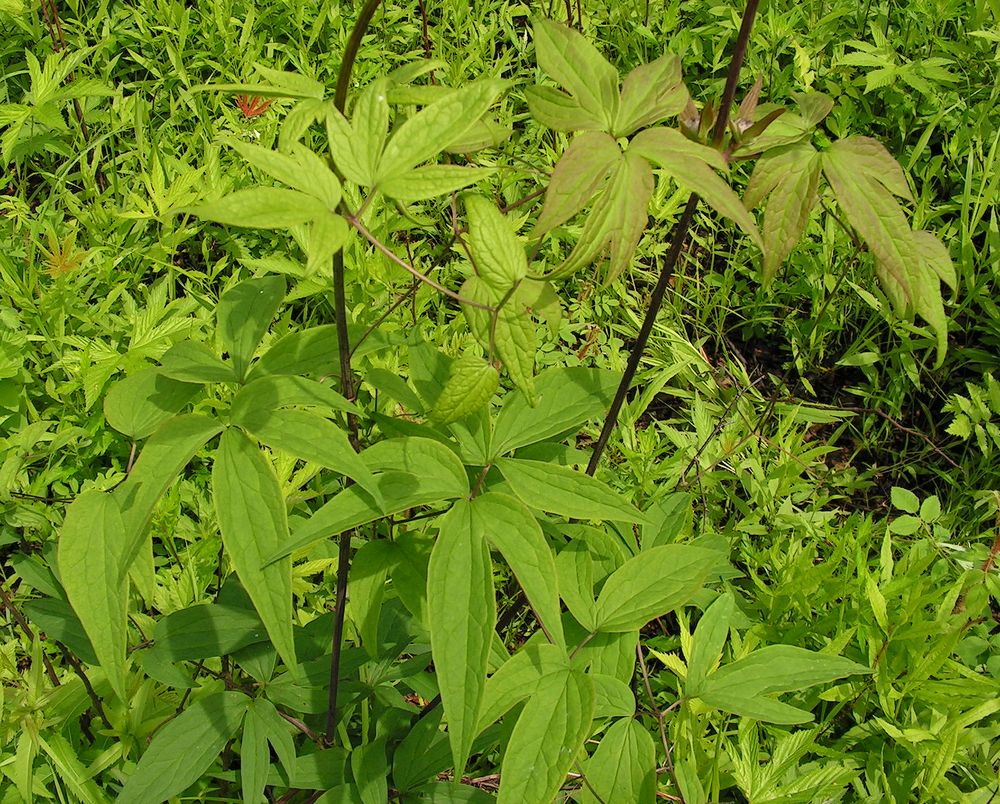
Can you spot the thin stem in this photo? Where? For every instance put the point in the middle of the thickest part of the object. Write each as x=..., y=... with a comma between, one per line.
x=346, y=383
x=388, y=252
x=655, y=301
x=17, y=617
x=680, y=233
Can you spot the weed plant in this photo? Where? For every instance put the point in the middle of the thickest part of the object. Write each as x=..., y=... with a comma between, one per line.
x=384, y=417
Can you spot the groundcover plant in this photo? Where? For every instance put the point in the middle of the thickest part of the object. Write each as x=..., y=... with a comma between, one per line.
x=479, y=400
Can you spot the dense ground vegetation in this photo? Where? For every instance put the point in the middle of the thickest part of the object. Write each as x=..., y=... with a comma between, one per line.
x=826, y=458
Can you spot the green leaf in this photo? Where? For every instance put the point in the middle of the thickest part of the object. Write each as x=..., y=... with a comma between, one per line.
x=56, y=618
x=261, y=397
x=870, y=157
x=758, y=708
x=244, y=314
x=560, y=490
x=349, y=150
x=566, y=398
x=193, y=362
x=369, y=569
x=708, y=642
x=879, y=220
x=261, y=208
x=567, y=57
x=623, y=768
x=738, y=687
x=438, y=468
x=206, y=630
x=294, y=84
x=790, y=201
x=254, y=525
x=327, y=235
x=140, y=403
x=370, y=126
x=498, y=256
x=515, y=532
x=575, y=569
x=782, y=668
x=426, y=134
x=510, y=332
x=652, y=583
x=462, y=615
x=76, y=776
x=184, y=749
x=354, y=506
x=690, y=165
x=301, y=170
x=581, y=171
x=471, y=386
x=612, y=696
x=547, y=738
x=431, y=181
x=310, y=437
x=541, y=301
x=164, y=455
x=371, y=771
x=560, y=112
x=255, y=758
x=616, y=221
x=91, y=560
x=314, y=351
x=904, y=500
x=518, y=677
x=650, y=93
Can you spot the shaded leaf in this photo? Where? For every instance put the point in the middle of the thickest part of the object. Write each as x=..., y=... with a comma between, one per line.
x=184, y=749
x=140, y=403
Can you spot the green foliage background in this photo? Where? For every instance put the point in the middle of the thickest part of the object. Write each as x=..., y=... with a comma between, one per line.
x=802, y=426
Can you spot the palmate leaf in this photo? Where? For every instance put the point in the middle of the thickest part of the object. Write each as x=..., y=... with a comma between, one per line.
x=426, y=134
x=690, y=165
x=580, y=172
x=566, y=56
x=431, y=181
x=262, y=208
x=616, y=221
x=789, y=179
x=623, y=768
x=301, y=170
x=650, y=93
x=560, y=112
x=909, y=268
x=243, y=316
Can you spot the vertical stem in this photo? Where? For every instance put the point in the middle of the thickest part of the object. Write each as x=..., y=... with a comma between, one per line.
x=346, y=382
x=680, y=233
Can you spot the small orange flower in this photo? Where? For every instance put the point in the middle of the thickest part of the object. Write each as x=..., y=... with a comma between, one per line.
x=251, y=105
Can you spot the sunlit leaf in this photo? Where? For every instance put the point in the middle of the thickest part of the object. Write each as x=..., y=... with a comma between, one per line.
x=254, y=525
x=462, y=614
